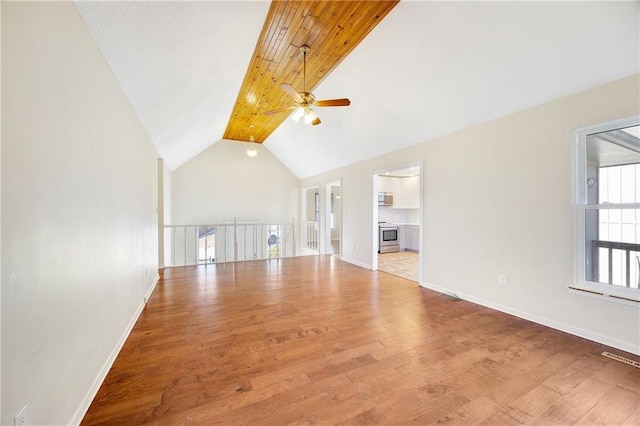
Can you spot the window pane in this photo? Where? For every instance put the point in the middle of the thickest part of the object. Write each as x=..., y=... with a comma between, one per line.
x=617, y=267
x=604, y=230
x=615, y=232
x=628, y=183
x=603, y=262
x=603, y=185
x=613, y=167
x=612, y=247
x=637, y=183
x=628, y=233
x=635, y=270
x=628, y=216
x=615, y=216
x=614, y=185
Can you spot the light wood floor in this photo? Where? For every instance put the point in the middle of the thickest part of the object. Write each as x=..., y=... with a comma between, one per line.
x=314, y=340
x=401, y=263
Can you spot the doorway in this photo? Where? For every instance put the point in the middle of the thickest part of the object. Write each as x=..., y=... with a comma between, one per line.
x=398, y=221
x=311, y=219
x=333, y=217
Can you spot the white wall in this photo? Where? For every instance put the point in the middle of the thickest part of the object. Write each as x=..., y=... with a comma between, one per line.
x=1, y=276
x=498, y=201
x=166, y=194
x=164, y=211
x=223, y=182
x=337, y=208
x=79, y=231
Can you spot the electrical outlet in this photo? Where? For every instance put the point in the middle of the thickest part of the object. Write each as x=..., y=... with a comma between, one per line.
x=353, y=248
x=502, y=279
x=21, y=418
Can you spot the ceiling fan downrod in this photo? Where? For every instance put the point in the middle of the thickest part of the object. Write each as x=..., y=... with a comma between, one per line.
x=304, y=49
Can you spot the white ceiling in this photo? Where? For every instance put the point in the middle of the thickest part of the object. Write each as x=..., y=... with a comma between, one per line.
x=428, y=69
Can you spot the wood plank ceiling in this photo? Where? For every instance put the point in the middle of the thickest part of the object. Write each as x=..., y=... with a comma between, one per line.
x=332, y=29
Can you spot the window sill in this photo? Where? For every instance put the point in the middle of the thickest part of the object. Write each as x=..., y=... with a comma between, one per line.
x=602, y=295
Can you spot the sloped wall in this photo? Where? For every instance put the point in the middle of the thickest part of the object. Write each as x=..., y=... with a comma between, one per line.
x=79, y=229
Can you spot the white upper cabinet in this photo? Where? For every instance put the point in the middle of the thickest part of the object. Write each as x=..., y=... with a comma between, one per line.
x=406, y=192
x=385, y=184
x=414, y=191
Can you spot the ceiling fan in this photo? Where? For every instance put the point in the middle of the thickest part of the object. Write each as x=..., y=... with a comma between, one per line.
x=305, y=100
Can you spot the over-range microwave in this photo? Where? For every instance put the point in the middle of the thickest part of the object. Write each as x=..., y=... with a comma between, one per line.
x=385, y=199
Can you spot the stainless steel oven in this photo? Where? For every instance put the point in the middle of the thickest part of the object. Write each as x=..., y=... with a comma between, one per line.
x=388, y=239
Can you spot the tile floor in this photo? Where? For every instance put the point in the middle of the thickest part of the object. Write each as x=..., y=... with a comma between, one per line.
x=403, y=264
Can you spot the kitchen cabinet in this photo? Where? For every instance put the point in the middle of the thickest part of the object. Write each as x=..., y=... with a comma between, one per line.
x=406, y=192
x=413, y=187
x=385, y=184
x=409, y=237
x=399, y=193
x=402, y=237
x=412, y=237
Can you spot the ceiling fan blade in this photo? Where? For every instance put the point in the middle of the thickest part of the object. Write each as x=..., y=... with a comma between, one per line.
x=333, y=102
x=276, y=111
x=291, y=92
x=316, y=121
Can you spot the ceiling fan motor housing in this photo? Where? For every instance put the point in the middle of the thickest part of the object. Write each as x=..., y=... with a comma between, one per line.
x=307, y=98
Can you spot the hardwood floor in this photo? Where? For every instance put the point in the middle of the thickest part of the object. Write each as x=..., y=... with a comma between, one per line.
x=317, y=340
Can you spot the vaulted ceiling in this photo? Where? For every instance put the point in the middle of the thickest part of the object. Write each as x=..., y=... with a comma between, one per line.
x=328, y=29
x=425, y=68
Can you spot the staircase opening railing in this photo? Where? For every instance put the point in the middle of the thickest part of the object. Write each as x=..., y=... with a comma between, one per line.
x=310, y=236
x=227, y=242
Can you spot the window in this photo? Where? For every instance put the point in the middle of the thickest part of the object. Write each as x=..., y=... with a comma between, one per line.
x=607, y=210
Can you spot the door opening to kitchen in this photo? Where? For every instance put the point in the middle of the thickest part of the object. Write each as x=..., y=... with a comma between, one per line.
x=398, y=209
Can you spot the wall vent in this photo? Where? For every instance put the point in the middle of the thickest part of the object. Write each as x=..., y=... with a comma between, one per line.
x=621, y=359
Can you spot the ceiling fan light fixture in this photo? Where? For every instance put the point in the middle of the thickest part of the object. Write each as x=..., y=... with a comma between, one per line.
x=298, y=114
x=309, y=115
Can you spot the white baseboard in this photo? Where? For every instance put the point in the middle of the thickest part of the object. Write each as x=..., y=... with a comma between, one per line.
x=355, y=262
x=567, y=328
x=88, y=399
x=153, y=287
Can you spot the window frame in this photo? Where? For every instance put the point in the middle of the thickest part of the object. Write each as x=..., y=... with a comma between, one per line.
x=625, y=295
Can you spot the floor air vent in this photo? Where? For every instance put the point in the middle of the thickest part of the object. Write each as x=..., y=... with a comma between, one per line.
x=621, y=359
